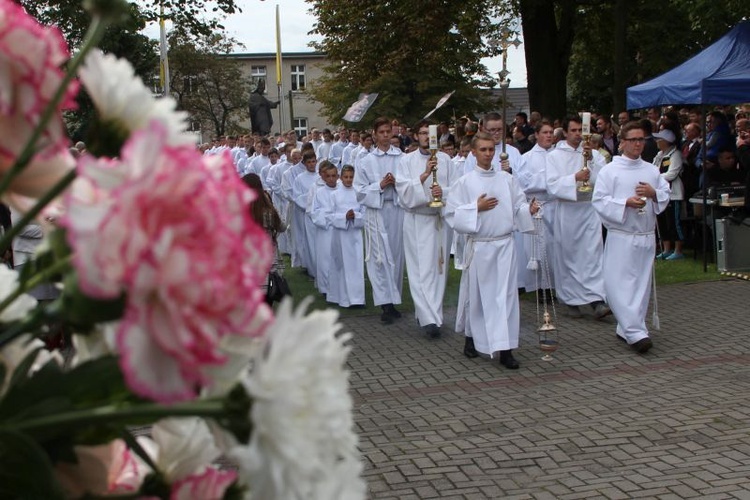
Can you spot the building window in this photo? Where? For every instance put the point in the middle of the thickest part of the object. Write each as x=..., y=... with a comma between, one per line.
x=300, y=126
x=258, y=73
x=298, y=77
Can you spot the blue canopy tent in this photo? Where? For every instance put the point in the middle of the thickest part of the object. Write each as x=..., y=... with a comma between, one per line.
x=719, y=74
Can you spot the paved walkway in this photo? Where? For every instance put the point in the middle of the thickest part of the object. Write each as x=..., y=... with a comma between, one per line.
x=597, y=422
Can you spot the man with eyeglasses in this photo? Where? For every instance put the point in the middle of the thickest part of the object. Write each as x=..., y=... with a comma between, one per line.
x=628, y=195
x=577, y=228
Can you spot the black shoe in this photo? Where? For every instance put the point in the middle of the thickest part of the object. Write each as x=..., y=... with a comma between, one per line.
x=642, y=346
x=508, y=361
x=575, y=312
x=386, y=317
x=601, y=310
x=469, y=350
x=392, y=311
x=621, y=339
x=432, y=330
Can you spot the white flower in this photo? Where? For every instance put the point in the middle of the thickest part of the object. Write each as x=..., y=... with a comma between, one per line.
x=184, y=446
x=303, y=445
x=120, y=96
x=99, y=343
x=16, y=351
x=19, y=307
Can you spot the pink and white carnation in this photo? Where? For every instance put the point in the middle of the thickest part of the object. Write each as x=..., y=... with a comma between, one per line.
x=121, y=98
x=171, y=229
x=102, y=470
x=183, y=450
x=30, y=74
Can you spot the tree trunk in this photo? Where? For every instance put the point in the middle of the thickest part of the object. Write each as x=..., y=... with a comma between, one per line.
x=618, y=85
x=547, y=46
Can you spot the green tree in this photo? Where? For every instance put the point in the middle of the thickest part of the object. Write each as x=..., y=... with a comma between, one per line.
x=653, y=37
x=207, y=83
x=411, y=53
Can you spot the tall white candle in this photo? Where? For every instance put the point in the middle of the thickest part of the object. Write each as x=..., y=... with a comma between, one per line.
x=433, y=133
x=586, y=123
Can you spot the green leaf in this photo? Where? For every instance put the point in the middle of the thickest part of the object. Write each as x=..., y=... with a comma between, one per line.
x=22, y=369
x=83, y=311
x=25, y=471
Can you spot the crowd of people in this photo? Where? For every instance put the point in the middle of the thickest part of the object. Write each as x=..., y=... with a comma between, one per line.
x=516, y=200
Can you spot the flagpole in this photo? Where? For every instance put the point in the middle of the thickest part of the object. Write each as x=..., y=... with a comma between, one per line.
x=279, y=86
x=163, y=54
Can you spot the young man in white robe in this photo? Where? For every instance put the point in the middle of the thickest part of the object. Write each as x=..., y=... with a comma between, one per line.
x=301, y=196
x=287, y=188
x=538, y=248
x=322, y=214
x=426, y=235
x=275, y=175
x=492, y=123
x=256, y=164
x=487, y=204
x=346, y=156
x=346, y=278
x=578, y=252
x=629, y=193
x=375, y=181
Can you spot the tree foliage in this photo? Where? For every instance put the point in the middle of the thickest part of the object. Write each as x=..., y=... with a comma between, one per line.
x=190, y=14
x=658, y=35
x=411, y=53
x=207, y=84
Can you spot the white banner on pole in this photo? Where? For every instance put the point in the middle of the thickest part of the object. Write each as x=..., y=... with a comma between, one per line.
x=440, y=103
x=357, y=110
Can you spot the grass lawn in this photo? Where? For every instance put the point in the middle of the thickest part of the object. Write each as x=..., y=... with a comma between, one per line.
x=667, y=272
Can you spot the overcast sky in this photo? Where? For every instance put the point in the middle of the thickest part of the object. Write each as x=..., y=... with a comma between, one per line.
x=255, y=27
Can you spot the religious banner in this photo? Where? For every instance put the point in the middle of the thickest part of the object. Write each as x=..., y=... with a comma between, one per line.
x=357, y=110
x=440, y=103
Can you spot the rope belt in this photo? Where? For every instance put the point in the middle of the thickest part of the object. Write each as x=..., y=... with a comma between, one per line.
x=469, y=249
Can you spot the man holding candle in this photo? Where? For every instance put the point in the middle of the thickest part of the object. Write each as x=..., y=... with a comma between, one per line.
x=577, y=228
x=426, y=236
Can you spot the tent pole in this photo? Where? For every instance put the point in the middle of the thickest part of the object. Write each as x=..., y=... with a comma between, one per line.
x=705, y=188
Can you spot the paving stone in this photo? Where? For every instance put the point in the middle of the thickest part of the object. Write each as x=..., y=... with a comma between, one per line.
x=597, y=422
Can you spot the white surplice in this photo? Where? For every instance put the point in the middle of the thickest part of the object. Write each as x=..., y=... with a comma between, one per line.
x=515, y=160
x=426, y=236
x=488, y=308
x=631, y=245
x=384, y=218
x=540, y=245
x=577, y=228
x=287, y=188
x=346, y=277
x=300, y=195
x=322, y=214
x=275, y=175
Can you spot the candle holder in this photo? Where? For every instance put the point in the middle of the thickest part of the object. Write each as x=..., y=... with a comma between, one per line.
x=437, y=201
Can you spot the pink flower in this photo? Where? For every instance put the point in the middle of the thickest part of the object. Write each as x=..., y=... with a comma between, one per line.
x=211, y=484
x=30, y=60
x=171, y=229
x=104, y=469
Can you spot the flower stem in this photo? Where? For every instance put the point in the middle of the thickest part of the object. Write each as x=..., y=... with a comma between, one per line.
x=50, y=195
x=35, y=280
x=114, y=414
x=93, y=35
